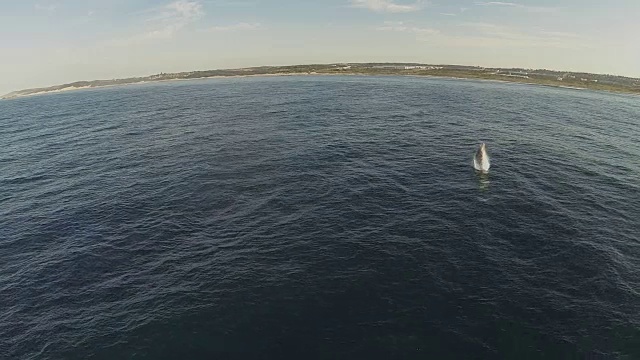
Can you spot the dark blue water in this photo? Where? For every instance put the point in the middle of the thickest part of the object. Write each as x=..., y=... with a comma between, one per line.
x=320, y=218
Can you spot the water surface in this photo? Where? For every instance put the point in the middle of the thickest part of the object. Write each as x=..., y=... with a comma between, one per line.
x=320, y=217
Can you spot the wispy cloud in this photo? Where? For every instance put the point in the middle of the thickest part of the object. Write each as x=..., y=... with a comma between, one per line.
x=497, y=3
x=541, y=9
x=50, y=8
x=177, y=12
x=387, y=6
x=488, y=35
x=166, y=21
x=233, y=3
x=495, y=35
x=393, y=23
x=448, y=14
x=399, y=26
x=235, y=27
x=558, y=34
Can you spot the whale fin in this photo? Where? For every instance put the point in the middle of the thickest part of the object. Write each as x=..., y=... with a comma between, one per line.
x=481, y=159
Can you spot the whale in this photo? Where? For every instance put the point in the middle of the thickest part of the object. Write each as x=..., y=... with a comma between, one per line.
x=481, y=159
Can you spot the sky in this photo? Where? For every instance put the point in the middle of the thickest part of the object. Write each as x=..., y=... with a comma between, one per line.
x=49, y=42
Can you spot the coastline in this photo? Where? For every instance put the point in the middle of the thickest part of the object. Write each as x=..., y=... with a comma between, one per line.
x=76, y=88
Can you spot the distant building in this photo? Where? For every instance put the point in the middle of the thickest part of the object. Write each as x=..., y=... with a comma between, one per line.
x=387, y=67
x=422, y=67
x=519, y=74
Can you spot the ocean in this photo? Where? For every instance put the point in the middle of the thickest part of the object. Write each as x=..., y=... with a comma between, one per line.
x=320, y=217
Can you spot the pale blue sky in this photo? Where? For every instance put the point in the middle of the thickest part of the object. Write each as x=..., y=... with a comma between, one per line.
x=48, y=42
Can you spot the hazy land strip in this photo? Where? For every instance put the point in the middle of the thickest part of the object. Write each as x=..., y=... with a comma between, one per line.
x=554, y=78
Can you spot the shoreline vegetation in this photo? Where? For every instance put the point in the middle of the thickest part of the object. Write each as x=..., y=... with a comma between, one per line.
x=612, y=83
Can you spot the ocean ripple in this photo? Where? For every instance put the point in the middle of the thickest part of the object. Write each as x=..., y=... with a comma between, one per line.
x=320, y=217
